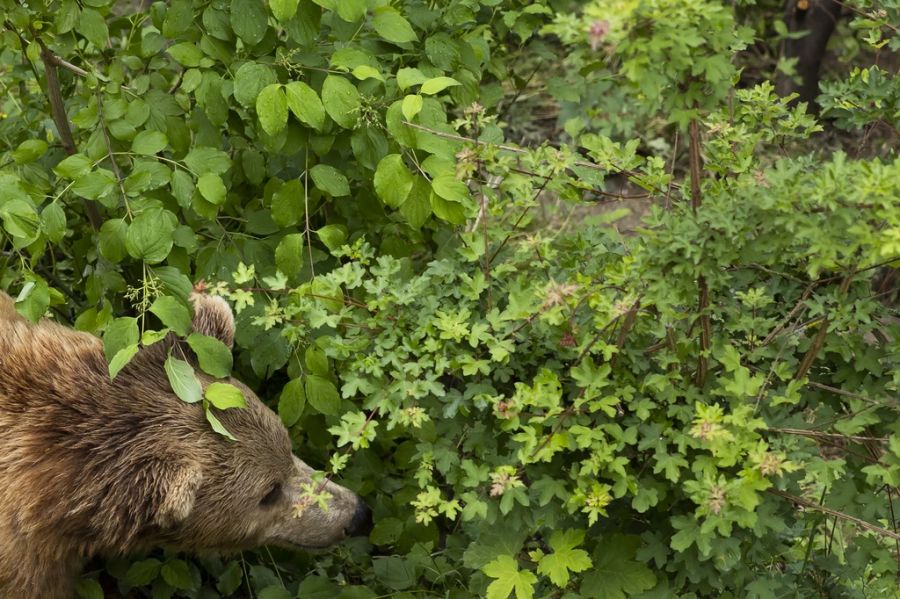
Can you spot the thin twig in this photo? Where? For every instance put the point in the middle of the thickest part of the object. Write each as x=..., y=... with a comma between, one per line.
x=826, y=510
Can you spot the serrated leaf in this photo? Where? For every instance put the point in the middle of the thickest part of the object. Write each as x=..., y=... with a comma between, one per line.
x=249, y=20
x=250, y=79
x=509, y=579
x=564, y=557
x=218, y=427
x=332, y=236
x=143, y=572
x=121, y=359
x=177, y=574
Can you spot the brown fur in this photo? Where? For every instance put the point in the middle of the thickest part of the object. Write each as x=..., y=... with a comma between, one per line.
x=90, y=466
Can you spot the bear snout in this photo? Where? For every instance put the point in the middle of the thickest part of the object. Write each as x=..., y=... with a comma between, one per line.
x=361, y=524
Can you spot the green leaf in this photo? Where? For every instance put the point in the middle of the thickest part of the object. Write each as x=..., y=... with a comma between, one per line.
x=177, y=573
x=149, y=237
x=288, y=205
x=95, y=185
x=186, y=54
x=218, y=427
x=351, y=10
x=450, y=188
x=616, y=574
x=207, y=160
x=112, y=239
x=173, y=314
x=225, y=396
x=250, y=79
x=437, y=85
x=394, y=572
x=391, y=26
x=93, y=27
x=183, y=380
x=332, y=236
x=29, y=151
x=53, y=222
x=509, y=578
x=73, y=167
x=274, y=592
x=304, y=102
x=283, y=9
x=341, y=101
x=88, y=588
x=322, y=395
x=121, y=359
x=417, y=207
x=249, y=20
x=121, y=333
x=564, y=558
x=393, y=181
x=289, y=255
x=408, y=77
x=149, y=142
x=291, y=402
x=411, y=106
x=330, y=180
x=272, y=109
x=143, y=572
x=214, y=356
x=212, y=188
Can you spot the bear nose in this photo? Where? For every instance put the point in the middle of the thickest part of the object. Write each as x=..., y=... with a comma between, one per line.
x=361, y=524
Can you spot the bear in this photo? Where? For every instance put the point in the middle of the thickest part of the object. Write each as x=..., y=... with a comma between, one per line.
x=91, y=466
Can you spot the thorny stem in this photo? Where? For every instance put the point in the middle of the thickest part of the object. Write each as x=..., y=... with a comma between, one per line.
x=703, y=288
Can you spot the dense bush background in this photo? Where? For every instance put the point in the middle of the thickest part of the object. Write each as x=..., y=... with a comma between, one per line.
x=426, y=215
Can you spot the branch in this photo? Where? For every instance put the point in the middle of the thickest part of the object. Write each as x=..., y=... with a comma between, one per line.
x=58, y=110
x=825, y=510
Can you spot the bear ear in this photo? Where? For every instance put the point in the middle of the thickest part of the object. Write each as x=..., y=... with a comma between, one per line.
x=213, y=317
x=177, y=493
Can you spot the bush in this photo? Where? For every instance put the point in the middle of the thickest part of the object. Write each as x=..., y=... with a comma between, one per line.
x=534, y=403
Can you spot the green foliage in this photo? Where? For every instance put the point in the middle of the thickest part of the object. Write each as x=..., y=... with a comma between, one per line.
x=534, y=404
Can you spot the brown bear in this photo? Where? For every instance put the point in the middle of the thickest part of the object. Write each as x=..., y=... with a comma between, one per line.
x=91, y=466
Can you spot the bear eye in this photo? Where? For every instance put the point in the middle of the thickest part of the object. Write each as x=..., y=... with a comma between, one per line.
x=272, y=496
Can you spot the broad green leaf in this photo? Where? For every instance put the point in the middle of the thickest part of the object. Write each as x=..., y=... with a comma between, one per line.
x=249, y=20
x=177, y=574
x=121, y=333
x=332, y=236
x=437, y=85
x=288, y=205
x=88, y=588
x=214, y=356
x=351, y=10
x=272, y=108
x=93, y=27
x=341, y=101
x=450, y=188
x=186, y=54
x=393, y=181
x=283, y=9
x=250, y=79
x=29, y=151
x=411, y=106
x=391, y=26
x=616, y=574
x=212, y=188
x=112, y=239
x=53, y=222
x=173, y=314
x=408, y=77
x=330, y=180
x=183, y=380
x=305, y=104
x=73, y=167
x=291, y=254
x=121, y=359
x=143, y=572
x=149, y=236
x=417, y=207
x=322, y=395
x=225, y=396
x=207, y=160
x=292, y=402
x=95, y=185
